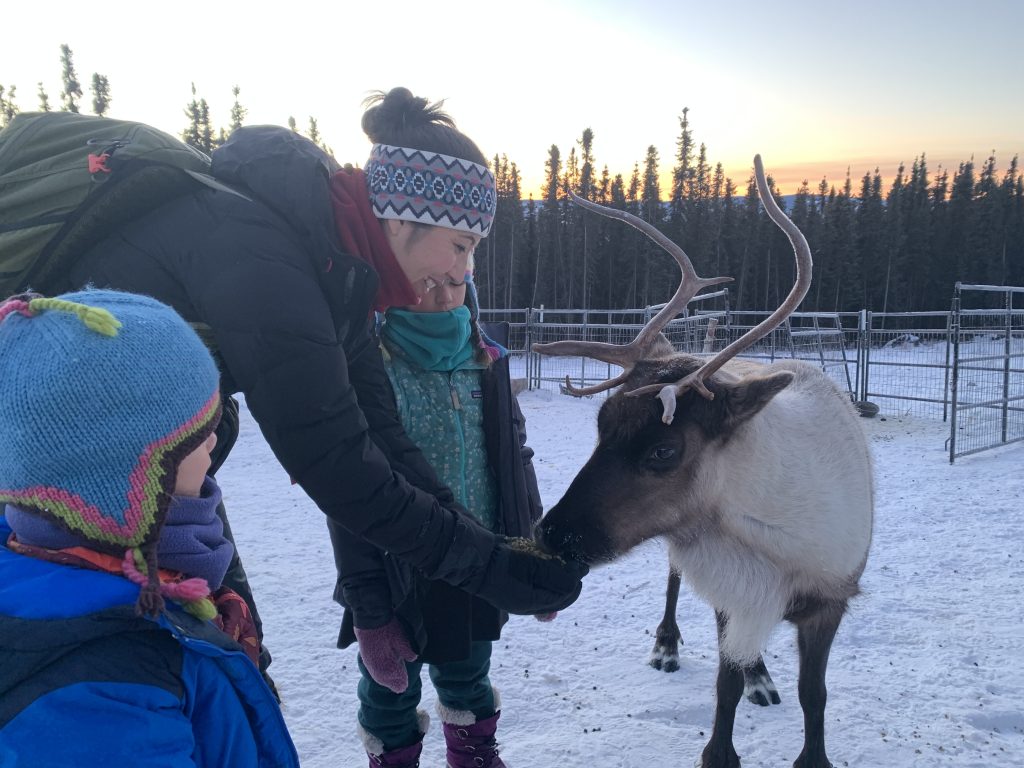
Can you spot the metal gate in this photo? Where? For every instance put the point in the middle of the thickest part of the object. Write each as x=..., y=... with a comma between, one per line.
x=987, y=382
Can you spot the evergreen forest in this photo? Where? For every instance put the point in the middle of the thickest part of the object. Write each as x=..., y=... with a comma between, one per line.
x=895, y=244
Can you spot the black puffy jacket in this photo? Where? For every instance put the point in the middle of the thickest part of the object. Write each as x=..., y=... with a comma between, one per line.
x=289, y=316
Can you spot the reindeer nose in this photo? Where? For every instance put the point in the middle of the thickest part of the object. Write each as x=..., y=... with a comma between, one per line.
x=556, y=540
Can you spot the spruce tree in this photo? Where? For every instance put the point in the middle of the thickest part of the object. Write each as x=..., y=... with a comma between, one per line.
x=531, y=259
x=988, y=236
x=955, y=264
x=198, y=133
x=635, y=239
x=651, y=212
x=912, y=275
x=545, y=289
x=238, y=112
x=517, y=235
x=585, y=189
x=618, y=262
x=314, y=135
x=569, y=224
x=72, y=89
x=292, y=124
x=871, y=241
x=8, y=107
x=937, y=278
x=44, y=98
x=100, y=94
x=681, y=176
x=1013, y=193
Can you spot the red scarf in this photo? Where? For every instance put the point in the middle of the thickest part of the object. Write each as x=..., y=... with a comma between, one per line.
x=361, y=235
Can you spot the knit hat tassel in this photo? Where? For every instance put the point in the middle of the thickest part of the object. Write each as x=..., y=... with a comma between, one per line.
x=150, y=601
x=193, y=594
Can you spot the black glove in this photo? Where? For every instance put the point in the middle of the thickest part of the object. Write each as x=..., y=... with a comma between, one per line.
x=511, y=574
x=521, y=579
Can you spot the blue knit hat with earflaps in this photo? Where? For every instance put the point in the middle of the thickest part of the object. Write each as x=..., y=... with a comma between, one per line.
x=102, y=395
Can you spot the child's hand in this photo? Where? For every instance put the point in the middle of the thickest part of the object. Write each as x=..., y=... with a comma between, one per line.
x=384, y=651
x=545, y=617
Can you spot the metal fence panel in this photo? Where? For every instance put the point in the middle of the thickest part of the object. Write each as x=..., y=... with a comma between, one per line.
x=987, y=388
x=906, y=363
x=965, y=365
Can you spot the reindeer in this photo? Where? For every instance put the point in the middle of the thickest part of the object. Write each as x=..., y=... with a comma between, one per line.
x=757, y=475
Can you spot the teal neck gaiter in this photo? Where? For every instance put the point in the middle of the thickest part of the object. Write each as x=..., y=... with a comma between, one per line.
x=435, y=341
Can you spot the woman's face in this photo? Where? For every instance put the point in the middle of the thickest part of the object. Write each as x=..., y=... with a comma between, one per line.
x=429, y=255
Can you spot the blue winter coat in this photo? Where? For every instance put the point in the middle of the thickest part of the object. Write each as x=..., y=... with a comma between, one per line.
x=84, y=681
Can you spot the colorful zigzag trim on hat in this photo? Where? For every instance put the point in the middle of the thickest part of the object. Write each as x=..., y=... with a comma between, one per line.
x=144, y=490
x=431, y=188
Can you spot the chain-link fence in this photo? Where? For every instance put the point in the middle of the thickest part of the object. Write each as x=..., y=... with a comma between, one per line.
x=963, y=365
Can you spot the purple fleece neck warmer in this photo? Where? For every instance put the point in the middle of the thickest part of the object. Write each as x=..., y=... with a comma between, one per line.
x=191, y=541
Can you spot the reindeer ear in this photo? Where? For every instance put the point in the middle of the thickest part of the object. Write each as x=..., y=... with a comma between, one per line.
x=745, y=398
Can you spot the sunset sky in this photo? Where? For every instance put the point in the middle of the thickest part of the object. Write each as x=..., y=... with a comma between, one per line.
x=815, y=87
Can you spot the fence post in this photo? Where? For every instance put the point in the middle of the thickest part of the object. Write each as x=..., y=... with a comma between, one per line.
x=862, y=340
x=728, y=319
x=869, y=322
x=537, y=359
x=583, y=360
x=954, y=380
x=528, y=352
x=1006, y=364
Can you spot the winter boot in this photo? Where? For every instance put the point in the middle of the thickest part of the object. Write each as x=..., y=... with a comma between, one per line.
x=403, y=757
x=470, y=741
x=406, y=757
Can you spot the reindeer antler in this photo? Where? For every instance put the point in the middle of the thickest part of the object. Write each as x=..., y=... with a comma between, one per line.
x=627, y=355
x=669, y=392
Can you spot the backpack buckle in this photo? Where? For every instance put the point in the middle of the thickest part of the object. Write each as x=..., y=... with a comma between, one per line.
x=98, y=163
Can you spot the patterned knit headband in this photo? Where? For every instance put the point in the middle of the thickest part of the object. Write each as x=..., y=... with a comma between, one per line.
x=431, y=188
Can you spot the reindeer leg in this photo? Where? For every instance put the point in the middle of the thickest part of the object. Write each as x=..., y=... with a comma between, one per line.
x=758, y=686
x=814, y=638
x=665, y=655
x=719, y=752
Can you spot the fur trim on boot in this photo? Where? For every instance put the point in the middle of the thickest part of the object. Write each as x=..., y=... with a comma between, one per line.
x=404, y=757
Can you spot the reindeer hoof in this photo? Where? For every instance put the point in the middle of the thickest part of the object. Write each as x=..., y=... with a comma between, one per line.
x=818, y=761
x=664, y=659
x=720, y=757
x=760, y=689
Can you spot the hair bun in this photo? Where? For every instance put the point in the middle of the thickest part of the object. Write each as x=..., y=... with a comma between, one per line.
x=398, y=113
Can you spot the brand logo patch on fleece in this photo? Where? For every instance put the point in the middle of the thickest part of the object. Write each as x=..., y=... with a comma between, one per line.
x=477, y=394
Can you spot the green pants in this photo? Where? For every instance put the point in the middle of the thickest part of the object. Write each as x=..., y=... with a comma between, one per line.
x=461, y=685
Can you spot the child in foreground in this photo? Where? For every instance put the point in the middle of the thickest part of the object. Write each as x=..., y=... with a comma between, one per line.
x=118, y=643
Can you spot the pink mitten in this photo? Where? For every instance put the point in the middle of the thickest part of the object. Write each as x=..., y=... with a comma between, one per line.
x=545, y=616
x=384, y=651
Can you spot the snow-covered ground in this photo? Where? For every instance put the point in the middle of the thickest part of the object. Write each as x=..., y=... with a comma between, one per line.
x=927, y=669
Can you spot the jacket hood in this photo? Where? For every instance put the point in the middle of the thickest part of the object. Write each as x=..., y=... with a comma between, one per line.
x=290, y=175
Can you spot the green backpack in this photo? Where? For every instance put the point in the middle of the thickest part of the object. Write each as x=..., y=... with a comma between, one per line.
x=68, y=180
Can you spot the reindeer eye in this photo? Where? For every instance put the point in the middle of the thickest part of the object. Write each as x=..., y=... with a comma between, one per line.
x=663, y=453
